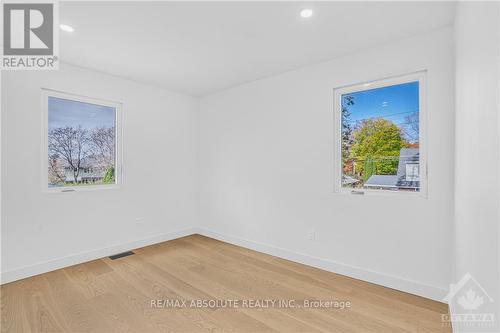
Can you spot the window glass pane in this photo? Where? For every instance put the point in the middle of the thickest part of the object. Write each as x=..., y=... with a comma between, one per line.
x=81, y=143
x=380, y=138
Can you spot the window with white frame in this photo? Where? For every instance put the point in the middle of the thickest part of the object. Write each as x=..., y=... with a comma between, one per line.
x=81, y=142
x=380, y=135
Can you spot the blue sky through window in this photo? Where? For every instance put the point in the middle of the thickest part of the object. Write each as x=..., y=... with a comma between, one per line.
x=68, y=113
x=394, y=103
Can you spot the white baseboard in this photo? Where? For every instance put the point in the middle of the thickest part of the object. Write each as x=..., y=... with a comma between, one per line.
x=47, y=266
x=386, y=280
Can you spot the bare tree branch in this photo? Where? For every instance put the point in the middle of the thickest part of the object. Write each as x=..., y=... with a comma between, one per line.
x=78, y=148
x=71, y=144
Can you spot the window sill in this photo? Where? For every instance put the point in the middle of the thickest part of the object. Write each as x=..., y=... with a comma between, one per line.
x=83, y=188
x=381, y=193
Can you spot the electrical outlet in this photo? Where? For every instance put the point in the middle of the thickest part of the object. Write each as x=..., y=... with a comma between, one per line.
x=311, y=235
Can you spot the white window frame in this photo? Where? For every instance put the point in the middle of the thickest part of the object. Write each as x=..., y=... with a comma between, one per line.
x=420, y=77
x=46, y=93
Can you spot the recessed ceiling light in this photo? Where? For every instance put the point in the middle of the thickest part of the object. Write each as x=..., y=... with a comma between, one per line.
x=306, y=13
x=67, y=28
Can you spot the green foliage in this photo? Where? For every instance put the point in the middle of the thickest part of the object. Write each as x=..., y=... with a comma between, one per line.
x=370, y=168
x=376, y=147
x=346, y=127
x=109, y=177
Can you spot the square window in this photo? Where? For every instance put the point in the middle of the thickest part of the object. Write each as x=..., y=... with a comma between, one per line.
x=380, y=136
x=81, y=142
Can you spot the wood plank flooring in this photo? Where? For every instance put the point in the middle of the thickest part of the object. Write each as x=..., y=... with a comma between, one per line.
x=116, y=296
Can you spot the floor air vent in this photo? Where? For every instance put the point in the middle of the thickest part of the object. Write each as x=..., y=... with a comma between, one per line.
x=121, y=255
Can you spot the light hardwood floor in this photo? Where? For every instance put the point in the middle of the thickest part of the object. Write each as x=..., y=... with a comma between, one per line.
x=115, y=295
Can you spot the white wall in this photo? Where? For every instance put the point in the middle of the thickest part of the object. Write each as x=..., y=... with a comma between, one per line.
x=43, y=231
x=476, y=234
x=266, y=171
x=264, y=153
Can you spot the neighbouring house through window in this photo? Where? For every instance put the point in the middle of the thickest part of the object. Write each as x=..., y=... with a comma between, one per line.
x=82, y=140
x=412, y=172
x=380, y=135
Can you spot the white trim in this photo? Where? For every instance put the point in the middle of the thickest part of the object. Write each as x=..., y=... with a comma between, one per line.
x=386, y=280
x=46, y=93
x=419, y=76
x=78, y=258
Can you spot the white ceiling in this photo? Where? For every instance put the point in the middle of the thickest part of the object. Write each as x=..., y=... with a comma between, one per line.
x=202, y=47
